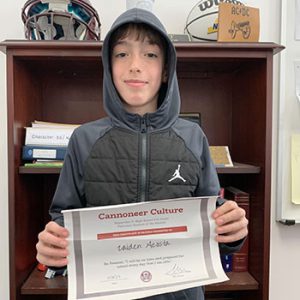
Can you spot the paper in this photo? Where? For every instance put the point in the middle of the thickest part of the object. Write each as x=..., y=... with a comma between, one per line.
x=297, y=77
x=297, y=20
x=136, y=250
x=221, y=156
x=295, y=157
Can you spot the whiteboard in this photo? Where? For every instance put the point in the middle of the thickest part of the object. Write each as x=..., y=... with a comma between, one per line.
x=289, y=113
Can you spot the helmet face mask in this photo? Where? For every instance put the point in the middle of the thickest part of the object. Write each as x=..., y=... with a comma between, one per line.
x=60, y=20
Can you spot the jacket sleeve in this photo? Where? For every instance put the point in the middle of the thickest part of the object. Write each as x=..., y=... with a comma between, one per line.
x=208, y=177
x=209, y=186
x=70, y=188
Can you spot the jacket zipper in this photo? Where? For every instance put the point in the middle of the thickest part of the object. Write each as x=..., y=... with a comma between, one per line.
x=143, y=159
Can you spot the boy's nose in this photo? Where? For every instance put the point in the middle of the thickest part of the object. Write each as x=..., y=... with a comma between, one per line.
x=136, y=64
x=135, y=70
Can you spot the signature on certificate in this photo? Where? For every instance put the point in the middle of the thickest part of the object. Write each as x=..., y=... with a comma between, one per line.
x=114, y=278
x=149, y=244
x=176, y=270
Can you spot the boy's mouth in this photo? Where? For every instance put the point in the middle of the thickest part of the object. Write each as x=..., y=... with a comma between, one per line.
x=135, y=82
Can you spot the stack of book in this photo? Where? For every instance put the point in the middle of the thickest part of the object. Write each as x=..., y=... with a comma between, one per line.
x=46, y=143
x=240, y=258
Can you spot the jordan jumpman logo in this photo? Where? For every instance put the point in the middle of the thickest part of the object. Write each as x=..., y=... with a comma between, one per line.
x=177, y=175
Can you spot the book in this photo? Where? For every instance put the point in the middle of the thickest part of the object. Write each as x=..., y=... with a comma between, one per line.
x=191, y=116
x=48, y=136
x=222, y=193
x=179, y=37
x=240, y=258
x=226, y=260
x=31, y=152
x=37, y=123
x=221, y=156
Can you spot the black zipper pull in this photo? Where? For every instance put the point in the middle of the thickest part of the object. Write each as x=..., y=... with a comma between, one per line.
x=144, y=123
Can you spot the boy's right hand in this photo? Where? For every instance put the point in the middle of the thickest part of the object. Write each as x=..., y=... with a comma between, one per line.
x=52, y=245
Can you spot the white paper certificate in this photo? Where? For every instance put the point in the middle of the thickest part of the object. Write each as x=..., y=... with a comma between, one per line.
x=136, y=250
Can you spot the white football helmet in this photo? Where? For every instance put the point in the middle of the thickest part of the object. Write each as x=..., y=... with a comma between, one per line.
x=60, y=20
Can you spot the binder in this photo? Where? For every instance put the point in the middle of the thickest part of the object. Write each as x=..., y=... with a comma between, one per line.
x=31, y=152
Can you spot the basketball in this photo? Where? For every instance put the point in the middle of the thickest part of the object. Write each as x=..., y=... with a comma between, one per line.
x=202, y=21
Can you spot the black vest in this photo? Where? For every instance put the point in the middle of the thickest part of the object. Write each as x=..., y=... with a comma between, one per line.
x=125, y=167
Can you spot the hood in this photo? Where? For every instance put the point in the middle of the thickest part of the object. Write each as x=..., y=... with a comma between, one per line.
x=168, y=111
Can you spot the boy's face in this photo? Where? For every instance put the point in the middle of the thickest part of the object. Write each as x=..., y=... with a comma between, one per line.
x=138, y=71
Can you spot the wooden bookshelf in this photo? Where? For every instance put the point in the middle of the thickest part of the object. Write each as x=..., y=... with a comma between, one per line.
x=238, y=281
x=238, y=168
x=230, y=84
x=37, y=284
x=39, y=170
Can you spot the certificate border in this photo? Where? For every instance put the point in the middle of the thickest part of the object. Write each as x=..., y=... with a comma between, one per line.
x=79, y=261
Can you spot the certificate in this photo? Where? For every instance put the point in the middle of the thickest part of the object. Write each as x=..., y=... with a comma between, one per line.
x=131, y=251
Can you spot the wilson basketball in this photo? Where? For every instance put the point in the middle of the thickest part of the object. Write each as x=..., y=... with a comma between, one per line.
x=202, y=21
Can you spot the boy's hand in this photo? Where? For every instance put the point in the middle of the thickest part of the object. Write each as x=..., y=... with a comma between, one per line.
x=231, y=222
x=52, y=245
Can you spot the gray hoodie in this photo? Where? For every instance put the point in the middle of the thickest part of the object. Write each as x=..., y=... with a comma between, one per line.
x=126, y=157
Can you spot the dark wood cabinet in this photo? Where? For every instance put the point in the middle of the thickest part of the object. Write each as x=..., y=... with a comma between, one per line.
x=230, y=84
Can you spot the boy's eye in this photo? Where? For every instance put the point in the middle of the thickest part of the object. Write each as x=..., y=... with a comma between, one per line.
x=152, y=55
x=120, y=54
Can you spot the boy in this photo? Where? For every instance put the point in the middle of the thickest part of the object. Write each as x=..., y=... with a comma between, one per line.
x=142, y=151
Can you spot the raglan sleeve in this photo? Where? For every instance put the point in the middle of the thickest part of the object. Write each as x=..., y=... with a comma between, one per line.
x=69, y=192
x=208, y=178
x=209, y=186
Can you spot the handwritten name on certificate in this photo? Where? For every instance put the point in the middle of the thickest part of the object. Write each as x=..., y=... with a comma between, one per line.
x=137, y=250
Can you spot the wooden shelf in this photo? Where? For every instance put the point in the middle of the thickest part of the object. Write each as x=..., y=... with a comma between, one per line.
x=238, y=281
x=39, y=170
x=238, y=168
x=37, y=284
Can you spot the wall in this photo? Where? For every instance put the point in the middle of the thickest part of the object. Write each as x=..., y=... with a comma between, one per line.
x=285, y=241
x=8, y=30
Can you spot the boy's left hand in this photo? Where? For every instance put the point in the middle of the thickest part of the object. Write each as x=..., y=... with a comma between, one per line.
x=231, y=222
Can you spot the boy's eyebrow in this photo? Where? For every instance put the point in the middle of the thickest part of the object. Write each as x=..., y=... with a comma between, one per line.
x=124, y=42
x=120, y=42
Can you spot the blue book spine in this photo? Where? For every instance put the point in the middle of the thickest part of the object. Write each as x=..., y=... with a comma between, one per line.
x=43, y=152
x=226, y=261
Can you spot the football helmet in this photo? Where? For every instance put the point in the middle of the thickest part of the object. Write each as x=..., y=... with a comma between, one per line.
x=60, y=20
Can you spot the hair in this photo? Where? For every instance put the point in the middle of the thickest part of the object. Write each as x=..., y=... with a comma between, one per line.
x=141, y=32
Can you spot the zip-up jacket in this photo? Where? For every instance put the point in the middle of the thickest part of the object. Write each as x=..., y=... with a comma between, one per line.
x=127, y=158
